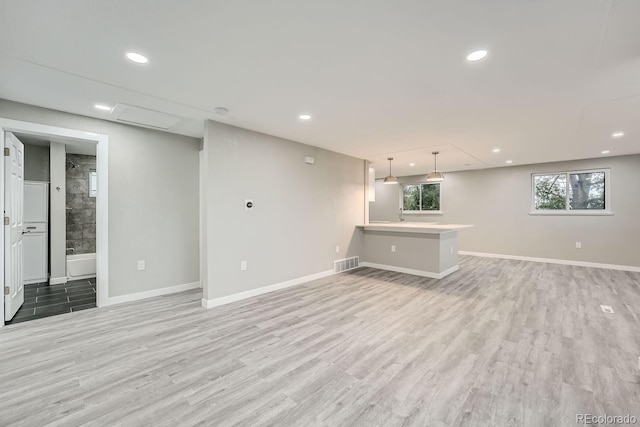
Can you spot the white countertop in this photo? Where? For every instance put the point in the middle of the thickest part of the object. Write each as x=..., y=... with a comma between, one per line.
x=413, y=227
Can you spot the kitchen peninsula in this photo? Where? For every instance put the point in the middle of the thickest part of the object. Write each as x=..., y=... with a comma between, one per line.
x=423, y=249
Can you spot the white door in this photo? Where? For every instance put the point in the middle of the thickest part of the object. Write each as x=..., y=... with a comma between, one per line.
x=14, y=223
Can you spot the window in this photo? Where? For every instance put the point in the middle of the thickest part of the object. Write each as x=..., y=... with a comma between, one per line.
x=577, y=192
x=421, y=198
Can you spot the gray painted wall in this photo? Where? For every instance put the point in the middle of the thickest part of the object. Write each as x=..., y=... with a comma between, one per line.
x=432, y=253
x=498, y=202
x=81, y=209
x=36, y=163
x=153, y=199
x=301, y=211
x=386, y=207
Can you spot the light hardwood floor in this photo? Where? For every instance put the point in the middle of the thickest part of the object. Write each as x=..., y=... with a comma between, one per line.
x=497, y=343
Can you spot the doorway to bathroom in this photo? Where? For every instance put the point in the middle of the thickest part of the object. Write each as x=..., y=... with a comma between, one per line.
x=55, y=251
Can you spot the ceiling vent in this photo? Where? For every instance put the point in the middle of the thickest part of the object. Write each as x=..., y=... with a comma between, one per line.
x=139, y=116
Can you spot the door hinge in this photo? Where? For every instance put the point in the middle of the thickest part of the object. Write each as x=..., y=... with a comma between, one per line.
x=7, y=152
x=7, y=291
x=6, y=220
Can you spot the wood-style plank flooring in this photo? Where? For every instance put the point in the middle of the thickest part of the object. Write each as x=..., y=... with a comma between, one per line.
x=497, y=343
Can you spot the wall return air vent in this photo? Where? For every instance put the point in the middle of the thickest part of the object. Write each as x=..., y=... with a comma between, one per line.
x=345, y=264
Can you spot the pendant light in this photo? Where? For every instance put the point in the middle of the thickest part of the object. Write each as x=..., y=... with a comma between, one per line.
x=390, y=179
x=435, y=176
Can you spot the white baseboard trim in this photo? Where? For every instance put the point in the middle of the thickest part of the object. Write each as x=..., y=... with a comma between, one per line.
x=265, y=289
x=411, y=270
x=553, y=261
x=152, y=293
x=57, y=280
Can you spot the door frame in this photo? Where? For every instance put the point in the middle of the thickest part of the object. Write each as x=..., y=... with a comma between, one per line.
x=102, y=199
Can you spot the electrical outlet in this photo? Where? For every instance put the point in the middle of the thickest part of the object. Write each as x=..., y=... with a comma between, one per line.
x=578, y=245
x=141, y=265
x=393, y=248
x=243, y=265
x=337, y=249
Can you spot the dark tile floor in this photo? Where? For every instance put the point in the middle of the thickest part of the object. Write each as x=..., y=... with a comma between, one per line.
x=43, y=300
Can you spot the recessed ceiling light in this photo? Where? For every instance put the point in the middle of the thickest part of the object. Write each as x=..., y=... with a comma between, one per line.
x=477, y=55
x=138, y=58
x=221, y=110
x=509, y=162
x=467, y=164
x=605, y=151
x=617, y=134
x=102, y=107
x=412, y=164
x=496, y=150
x=304, y=117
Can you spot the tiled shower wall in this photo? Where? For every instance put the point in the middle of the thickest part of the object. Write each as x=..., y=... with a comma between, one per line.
x=81, y=209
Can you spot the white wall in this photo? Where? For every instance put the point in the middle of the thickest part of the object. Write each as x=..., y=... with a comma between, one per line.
x=57, y=214
x=153, y=200
x=498, y=202
x=301, y=211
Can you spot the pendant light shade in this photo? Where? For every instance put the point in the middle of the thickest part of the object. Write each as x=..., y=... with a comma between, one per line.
x=390, y=179
x=435, y=176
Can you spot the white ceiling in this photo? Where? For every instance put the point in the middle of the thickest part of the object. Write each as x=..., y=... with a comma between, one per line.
x=380, y=78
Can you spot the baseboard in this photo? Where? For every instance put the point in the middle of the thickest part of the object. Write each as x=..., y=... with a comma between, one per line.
x=152, y=293
x=57, y=280
x=422, y=273
x=84, y=277
x=263, y=290
x=553, y=261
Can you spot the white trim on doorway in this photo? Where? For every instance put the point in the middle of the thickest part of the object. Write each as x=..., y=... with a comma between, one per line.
x=102, y=213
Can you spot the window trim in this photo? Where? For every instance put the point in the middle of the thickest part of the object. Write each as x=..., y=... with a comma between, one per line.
x=93, y=183
x=573, y=212
x=427, y=212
